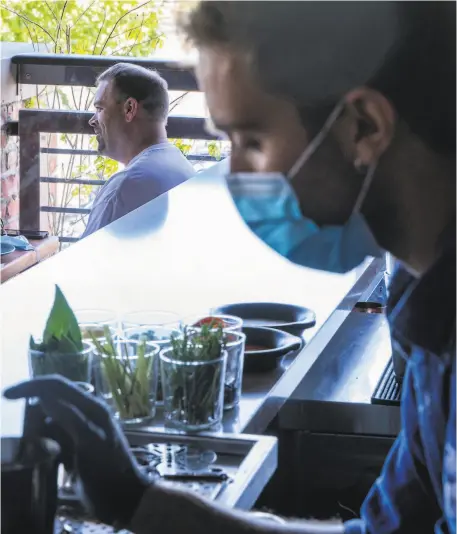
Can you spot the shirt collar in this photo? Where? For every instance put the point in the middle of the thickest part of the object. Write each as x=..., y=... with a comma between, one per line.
x=151, y=148
x=425, y=314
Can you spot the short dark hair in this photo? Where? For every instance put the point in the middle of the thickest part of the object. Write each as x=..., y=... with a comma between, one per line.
x=313, y=52
x=144, y=85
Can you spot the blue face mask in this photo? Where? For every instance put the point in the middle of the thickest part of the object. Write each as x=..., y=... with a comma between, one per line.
x=270, y=207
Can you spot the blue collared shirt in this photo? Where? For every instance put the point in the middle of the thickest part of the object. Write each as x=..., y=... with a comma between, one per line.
x=416, y=491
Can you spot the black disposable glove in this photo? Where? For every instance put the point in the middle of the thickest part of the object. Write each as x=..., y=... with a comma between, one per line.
x=110, y=480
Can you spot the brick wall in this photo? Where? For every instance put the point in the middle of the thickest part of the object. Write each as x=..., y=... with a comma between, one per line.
x=9, y=171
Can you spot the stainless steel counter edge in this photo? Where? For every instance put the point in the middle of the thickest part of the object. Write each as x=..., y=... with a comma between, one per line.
x=335, y=395
x=287, y=384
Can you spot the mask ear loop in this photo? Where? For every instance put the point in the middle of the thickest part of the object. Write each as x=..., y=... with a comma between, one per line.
x=365, y=187
x=316, y=141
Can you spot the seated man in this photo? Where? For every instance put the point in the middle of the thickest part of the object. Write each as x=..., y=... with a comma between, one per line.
x=131, y=108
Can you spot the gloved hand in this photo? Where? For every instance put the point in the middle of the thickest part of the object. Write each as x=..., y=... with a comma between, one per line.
x=37, y=423
x=110, y=480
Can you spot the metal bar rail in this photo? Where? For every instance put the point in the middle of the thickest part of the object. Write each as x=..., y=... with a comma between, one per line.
x=74, y=70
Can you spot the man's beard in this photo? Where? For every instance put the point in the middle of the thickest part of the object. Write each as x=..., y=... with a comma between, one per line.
x=101, y=144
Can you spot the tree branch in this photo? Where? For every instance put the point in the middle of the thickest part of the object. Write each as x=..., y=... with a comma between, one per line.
x=83, y=13
x=126, y=31
x=136, y=38
x=68, y=38
x=174, y=103
x=133, y=46
x=99, y=32
x=119, y=20
x=59, y=27
x=51, y=10
x=28, y=20
x=31, y=37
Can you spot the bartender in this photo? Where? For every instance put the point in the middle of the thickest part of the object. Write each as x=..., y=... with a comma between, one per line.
x=352, y=106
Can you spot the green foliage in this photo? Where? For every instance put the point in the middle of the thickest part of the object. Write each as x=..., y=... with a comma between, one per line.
x=105, y=167
x=30, y=103
x=214, y=149
x=185, y=145
x=84, y=27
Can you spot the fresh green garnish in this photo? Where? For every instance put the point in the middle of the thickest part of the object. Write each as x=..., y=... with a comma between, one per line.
x=128, y=378
x=204, y=344
x=62, y=333
x=192, y=392
x=59, y=351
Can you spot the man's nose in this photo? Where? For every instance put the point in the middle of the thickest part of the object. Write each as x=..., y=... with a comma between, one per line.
x=93, y=121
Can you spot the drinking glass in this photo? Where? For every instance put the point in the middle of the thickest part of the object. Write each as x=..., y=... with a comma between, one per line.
x=127, y=379
x=234, y=345
x=95, y=320
x=160, y=336
x=151, y=318
x=193, y=392
x=74, y=366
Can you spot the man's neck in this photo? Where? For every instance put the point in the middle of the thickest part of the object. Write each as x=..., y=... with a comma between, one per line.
x=137, y=142
x=417, y=206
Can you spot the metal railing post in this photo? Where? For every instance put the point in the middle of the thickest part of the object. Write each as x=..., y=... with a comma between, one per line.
x=29, y=174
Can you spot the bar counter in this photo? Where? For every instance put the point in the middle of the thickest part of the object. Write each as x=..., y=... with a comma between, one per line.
x=186, y=251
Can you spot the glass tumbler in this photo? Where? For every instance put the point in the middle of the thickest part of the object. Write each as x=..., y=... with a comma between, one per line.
x=74, y=366
x=234, y=345
x=126, y=379
x=152, y=319
x=94, y=322
x=159, y=335
x=193, y=392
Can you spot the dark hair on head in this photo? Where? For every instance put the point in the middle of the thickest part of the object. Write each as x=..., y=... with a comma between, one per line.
x=314, y=52
x=144, y=85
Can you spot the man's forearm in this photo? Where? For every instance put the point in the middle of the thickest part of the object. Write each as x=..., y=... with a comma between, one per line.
x=170, y=511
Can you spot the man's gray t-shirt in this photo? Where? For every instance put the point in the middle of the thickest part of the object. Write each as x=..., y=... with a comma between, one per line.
x=151, y=173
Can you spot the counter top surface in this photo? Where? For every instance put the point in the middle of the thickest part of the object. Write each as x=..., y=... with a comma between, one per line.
x=21, y=260
x=187, y=251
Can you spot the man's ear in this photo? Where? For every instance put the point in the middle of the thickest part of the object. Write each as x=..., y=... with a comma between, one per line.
x=371, y=120
x=130, y=109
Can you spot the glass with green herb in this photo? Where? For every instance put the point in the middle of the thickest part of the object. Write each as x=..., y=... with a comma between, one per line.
x=75, y=366
x=193, y=372
x=126, y=377
x=61, y=349
x=159, y=335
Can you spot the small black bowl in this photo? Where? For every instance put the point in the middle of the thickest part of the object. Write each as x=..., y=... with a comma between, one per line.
x=286, y=317
x=270, y=344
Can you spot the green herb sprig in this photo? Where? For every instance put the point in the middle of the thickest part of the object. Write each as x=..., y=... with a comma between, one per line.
x=129, y=382
x=203, y=344
x=195, y=390
x=59, y=351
